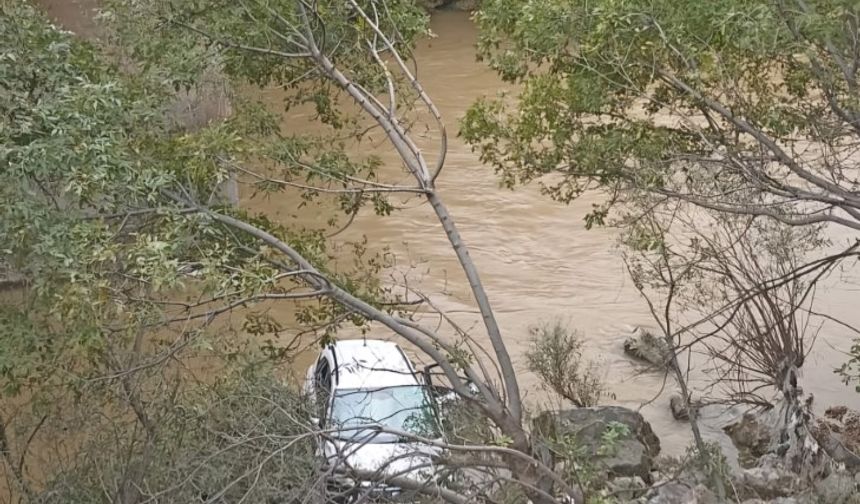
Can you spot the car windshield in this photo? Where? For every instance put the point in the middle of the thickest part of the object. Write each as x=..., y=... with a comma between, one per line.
x=403, y=408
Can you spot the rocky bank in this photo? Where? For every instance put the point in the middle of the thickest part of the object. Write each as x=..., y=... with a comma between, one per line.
x=620, y=456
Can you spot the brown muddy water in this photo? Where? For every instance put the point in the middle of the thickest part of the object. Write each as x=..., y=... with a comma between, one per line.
x=536, y=258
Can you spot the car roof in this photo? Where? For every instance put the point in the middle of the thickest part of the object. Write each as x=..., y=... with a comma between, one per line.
x=369, y=363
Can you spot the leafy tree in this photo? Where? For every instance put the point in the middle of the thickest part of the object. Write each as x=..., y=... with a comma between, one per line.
x=741, y=107
x=735, y=109
x=123, y=277
x=694, y=120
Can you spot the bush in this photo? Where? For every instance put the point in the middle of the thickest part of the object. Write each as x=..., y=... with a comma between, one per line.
x=243, y=438
x=556, y=357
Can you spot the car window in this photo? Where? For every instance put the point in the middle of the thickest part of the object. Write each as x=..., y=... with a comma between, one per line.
x=403, y=408
x=322, y=384
x=323, y=377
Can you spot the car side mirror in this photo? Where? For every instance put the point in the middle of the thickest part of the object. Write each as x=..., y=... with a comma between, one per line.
x=448, y=397
x=473, y=388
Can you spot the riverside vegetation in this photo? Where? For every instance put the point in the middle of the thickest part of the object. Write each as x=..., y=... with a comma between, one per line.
x=721, y=134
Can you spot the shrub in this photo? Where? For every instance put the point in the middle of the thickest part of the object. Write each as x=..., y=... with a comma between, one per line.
x=556, y=357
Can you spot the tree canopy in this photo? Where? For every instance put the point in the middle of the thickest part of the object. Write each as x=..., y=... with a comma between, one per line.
x=107, y=218
x=742, y=107
x=722, y=136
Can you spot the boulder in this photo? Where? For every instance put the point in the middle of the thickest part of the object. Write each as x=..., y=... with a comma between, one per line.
x=837, y=488
x=679, y=493
x=838, y=433
x=630, y=455
x=670, y=493
x=768, y=480
x=752, y=435
x=648, y=347
x=679, y=411
x=627, y=487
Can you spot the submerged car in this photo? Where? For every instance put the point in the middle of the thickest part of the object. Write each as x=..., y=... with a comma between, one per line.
x=377, y=418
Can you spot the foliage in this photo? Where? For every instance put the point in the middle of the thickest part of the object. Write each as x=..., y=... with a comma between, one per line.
x=262, y=43
x=614, y=432
x=106, y=211
x=850, y=370
x=462, y=422
x=712, y=462
x=750, y=293
x=576, y=461
x=95, y=184
x=727, y=104
x=243, y=437
x=723, y=112
x=556, y=357
x=697, y=121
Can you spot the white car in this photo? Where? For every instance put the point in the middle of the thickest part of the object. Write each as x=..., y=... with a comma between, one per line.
x=372, y=403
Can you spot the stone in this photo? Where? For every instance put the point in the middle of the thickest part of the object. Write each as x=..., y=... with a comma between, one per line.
x=627, y=487
x=704, y=495
x=752, y=435
x=836, y=412
x=632, y=455
x=768, y=480
x=838, y=433
x=679, y=493
x=628, y=457
x=645, y=346
x=679, y=411
x=837, y=488
x=670, y=493
x=684, y=469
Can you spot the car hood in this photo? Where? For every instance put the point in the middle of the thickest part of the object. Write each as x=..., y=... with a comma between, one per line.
x=413, y=460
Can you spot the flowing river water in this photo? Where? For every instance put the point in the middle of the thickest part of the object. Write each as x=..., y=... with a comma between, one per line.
x=537, y=260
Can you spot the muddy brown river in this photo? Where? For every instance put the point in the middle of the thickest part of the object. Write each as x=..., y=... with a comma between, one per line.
x=537, y=260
